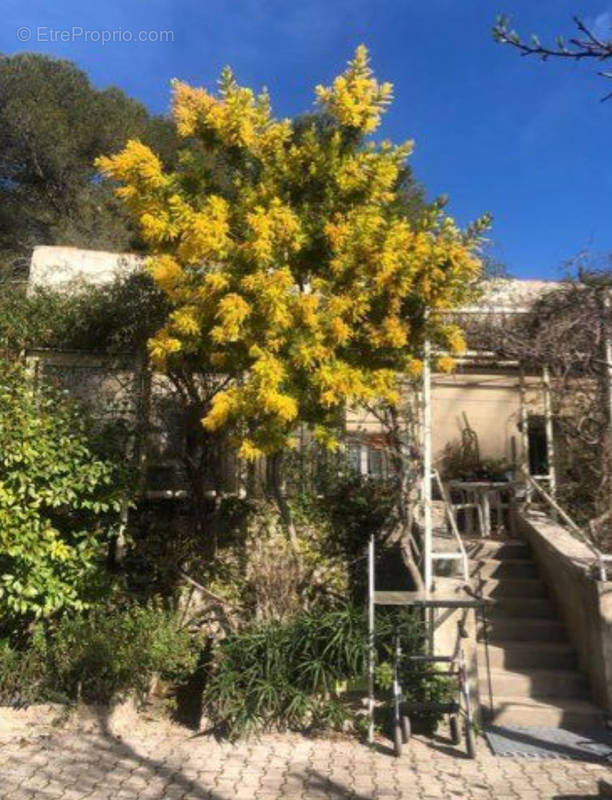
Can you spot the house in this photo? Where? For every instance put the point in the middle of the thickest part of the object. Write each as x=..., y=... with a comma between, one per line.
x=485, y=403
x=552, y=622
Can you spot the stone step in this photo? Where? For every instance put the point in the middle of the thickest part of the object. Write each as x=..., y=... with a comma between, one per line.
x=497, y=548
x=506, y=568
x=532, y=607
x=516, y=655
x=560, y=712
x=532, y=683
x=510, y=587
x=524, y=629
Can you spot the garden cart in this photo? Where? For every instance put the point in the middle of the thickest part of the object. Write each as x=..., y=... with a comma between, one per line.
x=453, y=666
x=458, y=708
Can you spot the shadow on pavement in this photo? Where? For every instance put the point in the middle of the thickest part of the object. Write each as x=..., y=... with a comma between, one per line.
x=604, y=790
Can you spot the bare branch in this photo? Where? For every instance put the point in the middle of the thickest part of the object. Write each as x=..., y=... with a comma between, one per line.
x=587, y=46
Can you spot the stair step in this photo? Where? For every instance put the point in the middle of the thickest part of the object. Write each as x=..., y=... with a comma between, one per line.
x=447, y=556
x=525, y=661
x=497, y=548
x=516, y=655
x=536, y=683
x=559, y=712
x=510, y=587
x=523, y=629
x=532, y=607
x=506, y=568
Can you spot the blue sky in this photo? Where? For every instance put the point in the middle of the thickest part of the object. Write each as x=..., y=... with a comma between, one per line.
x=529, y=142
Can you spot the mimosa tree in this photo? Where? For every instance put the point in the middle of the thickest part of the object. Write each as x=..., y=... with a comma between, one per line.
x=299, y=286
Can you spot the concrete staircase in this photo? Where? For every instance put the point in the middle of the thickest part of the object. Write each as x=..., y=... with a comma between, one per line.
x=527, y=668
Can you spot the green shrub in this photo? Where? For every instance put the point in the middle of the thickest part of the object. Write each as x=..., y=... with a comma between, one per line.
x=286, y=675
x=421, y=682
x=358, y=507
x=105, y=652
x=258, y=571
x=58, y=501
x=94, y=656
x=289, y=675
x=24, y=672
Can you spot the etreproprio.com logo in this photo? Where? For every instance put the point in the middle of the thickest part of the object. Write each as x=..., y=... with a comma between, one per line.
x=45, y=33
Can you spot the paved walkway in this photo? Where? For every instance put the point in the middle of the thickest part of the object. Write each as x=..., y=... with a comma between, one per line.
x=153, y=760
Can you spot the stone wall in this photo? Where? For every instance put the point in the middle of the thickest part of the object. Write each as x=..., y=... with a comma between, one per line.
x=585, y=604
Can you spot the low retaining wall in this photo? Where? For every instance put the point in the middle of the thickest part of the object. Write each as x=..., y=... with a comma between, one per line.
x=584, y=603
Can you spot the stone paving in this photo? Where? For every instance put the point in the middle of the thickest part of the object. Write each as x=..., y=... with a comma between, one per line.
x=154, y=760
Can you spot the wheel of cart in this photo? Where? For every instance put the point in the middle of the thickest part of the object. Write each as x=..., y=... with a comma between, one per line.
x=463, y=685
x=458, y=710
x=401, y=721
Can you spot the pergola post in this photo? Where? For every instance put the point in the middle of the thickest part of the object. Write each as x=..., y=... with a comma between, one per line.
x=608, y=359
x=427, y=468
x=371, y=643
x=524, y=426
x=550, y=437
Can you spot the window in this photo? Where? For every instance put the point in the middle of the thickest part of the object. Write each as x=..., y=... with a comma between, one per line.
x=365, y=460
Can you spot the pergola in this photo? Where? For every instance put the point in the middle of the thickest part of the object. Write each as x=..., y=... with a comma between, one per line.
x=427, y=600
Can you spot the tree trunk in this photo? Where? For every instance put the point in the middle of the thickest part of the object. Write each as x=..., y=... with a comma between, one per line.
x=276, y=485
x=403, y=459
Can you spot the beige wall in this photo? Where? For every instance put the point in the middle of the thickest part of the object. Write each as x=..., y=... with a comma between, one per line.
x=58, y=267
x=491, y=403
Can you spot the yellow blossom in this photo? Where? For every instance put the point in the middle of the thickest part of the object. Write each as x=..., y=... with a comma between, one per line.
x=356, y=98
x=445, y=364
x=232, y=312
x=184, y=321
x=135, y=162
x=206, y=234
x=223, y=405
x=163, y=345
x=248, y=451
x=166, y=272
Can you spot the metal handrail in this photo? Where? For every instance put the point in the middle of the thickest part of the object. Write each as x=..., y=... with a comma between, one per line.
x=573, y=526
x=453, y=524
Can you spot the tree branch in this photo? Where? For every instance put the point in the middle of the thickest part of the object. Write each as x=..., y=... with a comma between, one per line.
x=590, y=46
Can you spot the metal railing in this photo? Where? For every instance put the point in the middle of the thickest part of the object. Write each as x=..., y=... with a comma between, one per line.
x=448, y=509
x=600, y=557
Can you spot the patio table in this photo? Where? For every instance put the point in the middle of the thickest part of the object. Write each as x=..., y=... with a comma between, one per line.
x=481, y=493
